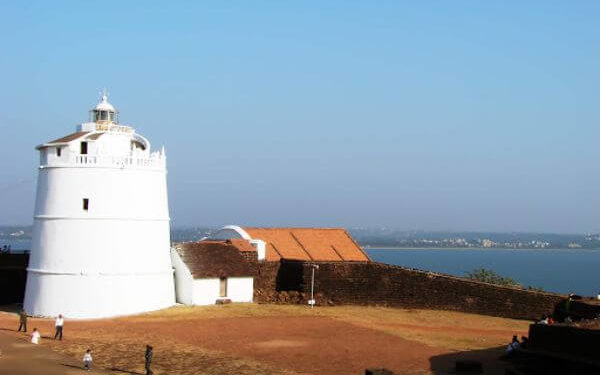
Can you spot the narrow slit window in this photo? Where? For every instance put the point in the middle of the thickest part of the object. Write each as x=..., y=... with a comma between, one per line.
x=84, y=148
x=86, y=204
x=58, y=151
x=223, y=287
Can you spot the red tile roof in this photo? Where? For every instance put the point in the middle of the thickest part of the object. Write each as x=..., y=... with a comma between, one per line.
x=317, y=244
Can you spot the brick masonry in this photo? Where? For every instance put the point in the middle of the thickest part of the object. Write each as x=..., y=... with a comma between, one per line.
x=371, y=283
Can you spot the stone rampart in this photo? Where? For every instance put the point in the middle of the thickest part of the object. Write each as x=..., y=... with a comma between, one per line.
x=371, y=283
x=13, y=275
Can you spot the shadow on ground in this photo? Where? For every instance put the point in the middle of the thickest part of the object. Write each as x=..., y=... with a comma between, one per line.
x=491, y=363
x=72, y=366
x=11, y=308
x=522, y=363
x=125, y=371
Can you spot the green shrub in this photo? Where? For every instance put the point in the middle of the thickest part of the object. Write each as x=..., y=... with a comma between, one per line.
x=489, y=276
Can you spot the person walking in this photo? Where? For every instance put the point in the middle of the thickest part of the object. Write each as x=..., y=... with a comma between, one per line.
x=148, y=357
x=22, y=320
x=58, y=325
x=35, y=336
x=87, y=360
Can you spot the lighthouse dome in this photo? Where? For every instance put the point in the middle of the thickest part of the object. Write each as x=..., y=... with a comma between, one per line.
x=104, y=112
x=104, y=105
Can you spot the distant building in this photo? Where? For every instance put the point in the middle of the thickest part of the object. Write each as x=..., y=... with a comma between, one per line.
x=487, y=243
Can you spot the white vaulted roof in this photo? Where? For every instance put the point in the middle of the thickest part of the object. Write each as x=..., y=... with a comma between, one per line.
x=104, y=105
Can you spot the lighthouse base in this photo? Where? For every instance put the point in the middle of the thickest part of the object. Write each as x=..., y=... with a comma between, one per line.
x=89, y=296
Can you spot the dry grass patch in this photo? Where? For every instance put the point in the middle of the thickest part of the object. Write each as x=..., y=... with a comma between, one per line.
x=447, y=329
x=237, y=310
x=120, y=354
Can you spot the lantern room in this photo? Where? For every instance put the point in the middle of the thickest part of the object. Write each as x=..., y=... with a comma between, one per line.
x=104, y=112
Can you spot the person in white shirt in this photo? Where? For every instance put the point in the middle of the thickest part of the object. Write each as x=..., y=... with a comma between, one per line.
x=35, y=336
x=58, y=325
x=87, y=360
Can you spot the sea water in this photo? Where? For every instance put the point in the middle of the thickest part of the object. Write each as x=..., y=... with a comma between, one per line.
x=557, y=270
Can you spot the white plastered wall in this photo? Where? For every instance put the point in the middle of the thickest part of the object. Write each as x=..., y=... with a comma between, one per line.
x=240, y=289
x=207, y=291
x=112, y=259
x=184, y=282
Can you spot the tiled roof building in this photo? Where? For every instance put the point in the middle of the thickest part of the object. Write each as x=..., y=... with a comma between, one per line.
x=309, y=244
x=213, y=259
x=209, y=272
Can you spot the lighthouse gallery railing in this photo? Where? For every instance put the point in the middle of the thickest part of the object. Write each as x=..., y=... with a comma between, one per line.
x=154, y=161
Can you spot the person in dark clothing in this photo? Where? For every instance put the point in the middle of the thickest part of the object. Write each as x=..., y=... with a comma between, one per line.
x=58, y=325
x=23, y=320
x=148, y=357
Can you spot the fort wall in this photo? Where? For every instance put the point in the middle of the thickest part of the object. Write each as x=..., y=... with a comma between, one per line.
x=371, y=283
x=358, y=283
x=13, y=274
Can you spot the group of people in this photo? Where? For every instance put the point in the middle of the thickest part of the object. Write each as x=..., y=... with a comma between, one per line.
x=516, y=345
x=35, y=334
x=546, y=320
x=58, y=333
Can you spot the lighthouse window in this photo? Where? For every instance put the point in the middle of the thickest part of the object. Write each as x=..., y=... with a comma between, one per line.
x=83, y=148
x=58, y=151
x=136, y=144
x=86, y=204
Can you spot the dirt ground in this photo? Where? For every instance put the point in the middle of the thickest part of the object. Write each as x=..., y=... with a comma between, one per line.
x=278, y=339
x=20, y=357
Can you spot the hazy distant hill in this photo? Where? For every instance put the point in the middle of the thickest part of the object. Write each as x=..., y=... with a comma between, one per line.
x=385, y=237
x=183, y=234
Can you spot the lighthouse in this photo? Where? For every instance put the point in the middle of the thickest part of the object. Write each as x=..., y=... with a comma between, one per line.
x=101, y=242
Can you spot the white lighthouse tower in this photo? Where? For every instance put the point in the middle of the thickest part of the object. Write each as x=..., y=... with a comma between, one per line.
x=101, y=239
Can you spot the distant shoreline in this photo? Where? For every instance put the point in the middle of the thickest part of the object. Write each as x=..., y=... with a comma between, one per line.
x=470, y=248
x=431, y=248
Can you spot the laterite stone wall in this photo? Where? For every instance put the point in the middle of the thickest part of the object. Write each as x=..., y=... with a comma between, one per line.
x=371, y=283
x=13, y=275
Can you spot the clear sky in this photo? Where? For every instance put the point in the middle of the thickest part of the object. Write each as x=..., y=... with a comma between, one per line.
x=449, y=115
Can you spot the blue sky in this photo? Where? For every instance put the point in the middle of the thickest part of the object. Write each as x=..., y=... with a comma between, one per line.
x=462, y=115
